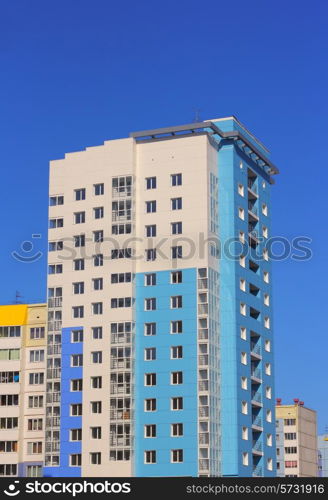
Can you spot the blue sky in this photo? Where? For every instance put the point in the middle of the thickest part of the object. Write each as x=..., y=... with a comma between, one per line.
x=76, y=72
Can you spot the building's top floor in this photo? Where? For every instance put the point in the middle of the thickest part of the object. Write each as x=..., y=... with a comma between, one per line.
x=219, y=131
x=25, y=322
x=295, y=411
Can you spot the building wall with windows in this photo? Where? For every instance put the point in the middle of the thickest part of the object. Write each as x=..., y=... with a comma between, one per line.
x=122, y=215
x=22, y=389
x=323, y=455
x=297, y=440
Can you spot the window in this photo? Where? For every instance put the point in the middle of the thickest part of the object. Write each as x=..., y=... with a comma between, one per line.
x=242, y=237
x=150, y=379
x=10, y=331
x=95, y=432
x=150, y=254
x=97, y=308
x=176, y=179
x=34, y=424
x=291, y=464
x=265, y=232
x=243, y=358
x=78, y=312
x=98, y=260
x=78, y=288
x=96, y=407
x=150, y=329
x=266, y=276
x=244, y=433
x=98, y=189
x=79, y=240
x=79, y=194
x=268, y=392
x=245, y=458
x=34, y=401
x=241, y=190
x=78, y=265
x=121, y=186
x=176, y=456
x=264, y=209
x=150, y=405
x=268, y=368
x=290, y=435
x=241, y=213
x=267, y=345
x=54, y=246
x=176, y=203
x=242, y=284
x=150, y=182
x=289, y=421
x=150, y=206
x=243, y=333
x=36, y=378
x=8, y=446
x=242, y=261
x=8, y=470
x=34, y=448
x=266, y=299
x=121, y=278
x=95, y=458
x=9, y=354
x=121, y=210
x=10, y=423
x=176, y=430
x=36, y=356
x=150, y=279
x=151, y=231
x=55, y=223
x=244, y=383
x=177, y=352
x=267, y=322
x=269, y=439
x=98, y=236
x=176, y=326
x=97, y=332
x=120, y=302
x=122, y=253
x=97, y=283
x=79, y=217
x=176, y=227
x=150, y=304
x=244, y=407
x=243, y=309
x=34, y=471
x=176, y=302
x=9, y=377
x=96, y=357
x=150, y=353
x=121, y=228
x=75, y=460
x=176, y=277
x=268, y=416
x=176, y=252
x=55, y=268
x=176, y=378
x=177, y=403
x=96, y=382
x=37, y=333
x=75, y=435
x=76, y=336
x=76, y=360
x=56, y=200
x=98, y=212
x=150, y=457
x=76, y=385
x=150, y=431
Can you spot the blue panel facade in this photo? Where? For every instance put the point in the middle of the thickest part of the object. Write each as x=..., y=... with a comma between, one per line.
x=68, y=397
x=22, y=467
x=233, y=170
x=163, y=366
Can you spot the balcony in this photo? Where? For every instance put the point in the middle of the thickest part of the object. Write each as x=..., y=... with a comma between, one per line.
x=53, y=397
x=256, y=374
x=54, y=326
x=121, y=215
x=52, y=447
x=252, y=187
x=204, y=438
x=256, y=398
x=120, y=388
x=54, y=302
x=253, y=211
x=203, y=411
x=257, y=471
x=257, y=422
x=120, y=414
x=120, y=363
x=203, y=464
x=203, y=385
x=256, y=351
x=53, y=373
x=257, y=448
x=54, y=349
x=53, y=421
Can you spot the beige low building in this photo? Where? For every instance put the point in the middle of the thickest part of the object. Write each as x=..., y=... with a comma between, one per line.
x=22, y=389
x=296, y=440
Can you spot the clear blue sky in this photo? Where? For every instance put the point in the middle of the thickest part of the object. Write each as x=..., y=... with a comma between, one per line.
x=75, y=73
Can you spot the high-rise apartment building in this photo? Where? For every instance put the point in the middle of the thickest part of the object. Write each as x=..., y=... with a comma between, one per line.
x=296, y=438
x=323, y=455
x=160, y=358
x=22, y=389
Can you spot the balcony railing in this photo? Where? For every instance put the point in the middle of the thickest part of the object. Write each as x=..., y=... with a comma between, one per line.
x=121, y=192
x=120, y=415
x=52, y=447
x=253, y=233
x=204, y=438
x=203, y=385
x=54, y=326
x=256, y=373
x=203, y=411
x=120, y=441
x=257, y=470
x=202, y=309
x=203, y=360
x=53, y=397
x=257, y=396
x=203, y=464
x=54, y=349
x=120, y=364
x=252, y=208
x=121, y=215
x=53, y=373
x=120, y=388
x=53, y=421
x=256, y=348
x=257, y=445
x=252, y=186
x=203, y=333
x=55, y=302
x=256, y=420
